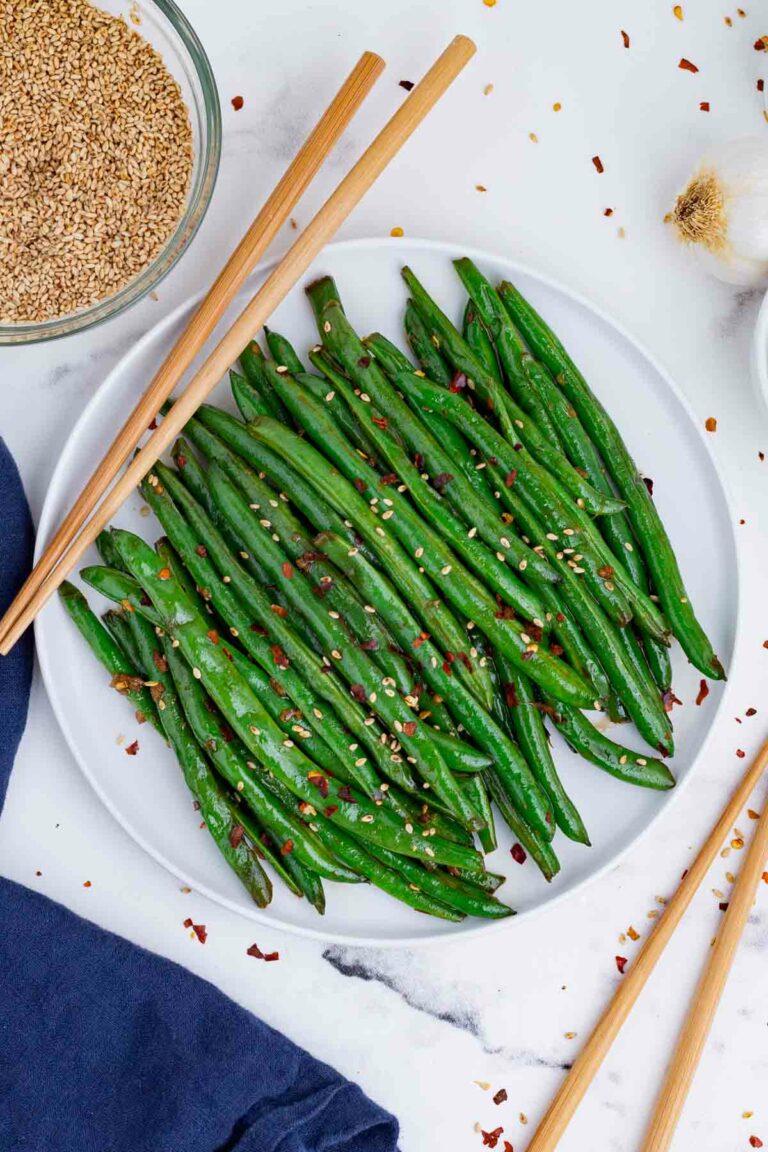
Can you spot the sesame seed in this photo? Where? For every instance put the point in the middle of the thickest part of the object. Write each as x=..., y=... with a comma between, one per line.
x=329, y=396
x=197, y=673
x=445, y=570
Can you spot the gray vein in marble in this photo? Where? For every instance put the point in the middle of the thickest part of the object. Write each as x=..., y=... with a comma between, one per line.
x=347, y=963
x=743, y=310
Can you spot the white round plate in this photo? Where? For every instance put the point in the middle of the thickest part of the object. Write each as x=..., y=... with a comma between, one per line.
x=146, y=793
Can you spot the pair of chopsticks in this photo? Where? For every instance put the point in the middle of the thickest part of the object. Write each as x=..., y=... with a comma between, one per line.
x=704, y=1004
x=100, y=502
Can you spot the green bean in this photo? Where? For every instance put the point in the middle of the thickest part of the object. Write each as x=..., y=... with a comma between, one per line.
x=514, y=423
x=353, y=663
x=531, y=735
x=283, y=351
x=540, y=851
x=125, y=677
x=428, y=356
x=641, y=510
x=444, y=887
x=593, y=745
x=243, y=711
x=462, y=590
x=478, y=798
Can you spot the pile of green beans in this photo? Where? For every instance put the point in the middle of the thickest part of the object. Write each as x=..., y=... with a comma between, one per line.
x=379, y=587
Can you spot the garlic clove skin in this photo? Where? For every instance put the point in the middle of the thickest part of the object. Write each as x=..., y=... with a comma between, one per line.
x=723, y=212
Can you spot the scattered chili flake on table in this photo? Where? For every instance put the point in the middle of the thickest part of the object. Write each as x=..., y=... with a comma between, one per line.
x=632, y=933
x=396, y=232
x=500, y=1096
x=761, y=44
x=237, y=103
x=625, y=38
x=608, y=212
x=704, y=106
x=132, y=749
x=491, y=1139
x=740, y=12
x=752, y=814
x=407, y=84
x=87, y=884
x=480, y=188
x=621, y=963
x=598, y=164
x=517, y=852
x=678, y=11
x=740, y=753
x=257, y=954
x=755, y=1142
x=687, y=66
x=710, y=424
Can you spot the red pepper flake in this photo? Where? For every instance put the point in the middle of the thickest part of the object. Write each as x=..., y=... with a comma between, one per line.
x=740, y=753
x=598, y=164
x=491, y=1139
x=188, y=922
x=320, y=782
x=755, y=1142
x=508, y=1147
x=287, y=570
x=237, y=103
x=153, y=422
x=359, y=484
x=86, y=884
x=226, y=733
x=500, y=1096
x=164, y=574
x=751, y=712
x=710, y=424
x=418, y=461
x=388, y=478
x=201, y=550
x=703, y=692
x=236, y=835
x=625, y=39
x=649, y=484
x=447, y=668
x=369, y=645
x=279, y=656
x=517, y=852
x=345, y=793
x=407, y=84
x=669, y=700
x=442, y=480
x=200, y=931
x=761, y=44
x=765, y=877
x=279, y=610
x=331, y=810
x=687, y=66
x=723, y=905
x=159, y=661
x=409, y=728
x=286, y=848
x=132, y=749
x=606, y=572
x=181, y=460
x=458, y=383
x=358, y=692
x=257, y=954
x=621, y=963
x=364, y=362
x=257, y=628
x=556, y=649
x=380, y=421
x=421, y=639
x=510, y=695
x=510, y=478
x=704, y=106
x=528, y=655
x=608, y=212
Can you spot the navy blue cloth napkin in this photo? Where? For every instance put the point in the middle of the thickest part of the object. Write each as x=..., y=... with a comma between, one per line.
x=107, y=1048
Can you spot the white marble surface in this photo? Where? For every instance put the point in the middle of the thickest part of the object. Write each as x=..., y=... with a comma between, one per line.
x=417, y=1029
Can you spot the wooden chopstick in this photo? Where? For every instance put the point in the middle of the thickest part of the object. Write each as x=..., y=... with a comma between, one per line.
x=276, y=287
x=569, y=1095
x=704, y=1004
x=230, y=280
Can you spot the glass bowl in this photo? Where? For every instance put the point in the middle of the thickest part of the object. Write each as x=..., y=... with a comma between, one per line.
x=168, y=30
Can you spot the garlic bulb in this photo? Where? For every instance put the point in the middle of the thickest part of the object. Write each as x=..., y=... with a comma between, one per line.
x=723, y=211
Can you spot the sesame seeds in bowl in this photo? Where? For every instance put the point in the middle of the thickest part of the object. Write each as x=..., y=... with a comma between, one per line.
x=109, y=150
